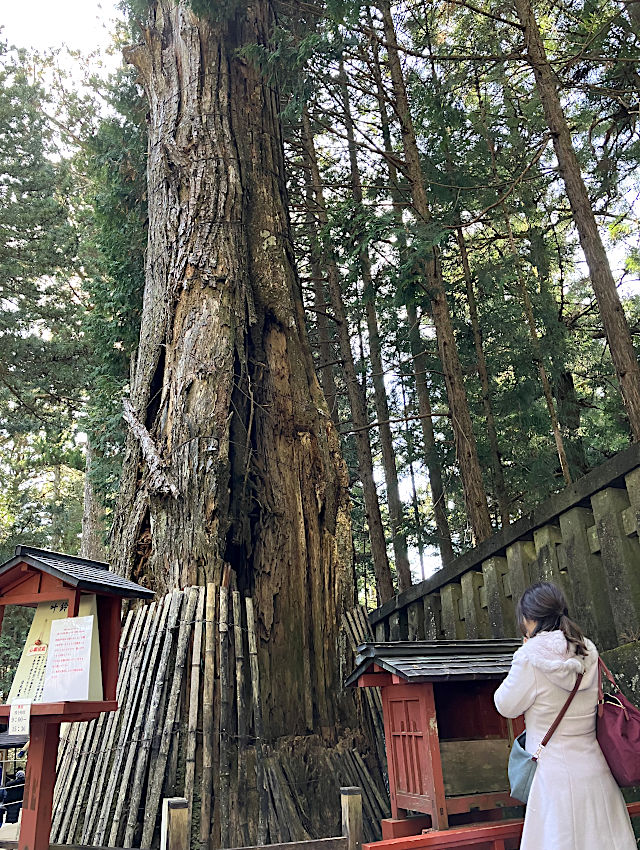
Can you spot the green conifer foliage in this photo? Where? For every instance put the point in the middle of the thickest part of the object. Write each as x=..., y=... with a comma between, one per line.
x=41, y=346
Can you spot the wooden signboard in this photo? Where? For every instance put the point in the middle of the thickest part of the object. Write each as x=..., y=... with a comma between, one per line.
x=69, y=665
x=29, y=680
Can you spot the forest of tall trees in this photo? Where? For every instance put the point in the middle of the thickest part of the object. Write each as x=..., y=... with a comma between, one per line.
x=324, y=292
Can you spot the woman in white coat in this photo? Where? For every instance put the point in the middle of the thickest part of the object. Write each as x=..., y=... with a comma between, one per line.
x=574, y=802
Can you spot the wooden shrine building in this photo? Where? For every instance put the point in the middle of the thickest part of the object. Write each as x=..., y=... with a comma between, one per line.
x=79, y=602
x=447, y=746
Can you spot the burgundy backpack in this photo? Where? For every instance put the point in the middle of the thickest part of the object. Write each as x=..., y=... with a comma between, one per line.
x=618, y=731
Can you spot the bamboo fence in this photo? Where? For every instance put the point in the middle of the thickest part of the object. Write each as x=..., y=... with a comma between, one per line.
x=189, y=724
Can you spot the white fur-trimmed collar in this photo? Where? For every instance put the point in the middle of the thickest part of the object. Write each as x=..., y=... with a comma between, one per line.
x=550, y=653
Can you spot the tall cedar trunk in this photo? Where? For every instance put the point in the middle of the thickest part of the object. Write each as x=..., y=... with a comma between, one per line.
x=355, y=391
x=420, y=371
x=93, y=519
x=569, y=413
x=485, y=387
x=325, y=347
x=432, y=461
x=414, y=491
x=537, y=351
x=466, y=449
x=481, y=364
x=604, y=287
x=241, y=462
x=564, y=390
x=528, y=306
x=375, y=354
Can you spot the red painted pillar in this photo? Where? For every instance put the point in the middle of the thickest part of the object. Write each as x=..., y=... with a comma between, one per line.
x=41, y=778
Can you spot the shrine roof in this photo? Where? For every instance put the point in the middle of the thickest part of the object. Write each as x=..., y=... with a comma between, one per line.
x=93, y=576
x=437, y=660
x=10, y=742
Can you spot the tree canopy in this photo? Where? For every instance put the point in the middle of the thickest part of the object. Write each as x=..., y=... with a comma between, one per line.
x=444, y=240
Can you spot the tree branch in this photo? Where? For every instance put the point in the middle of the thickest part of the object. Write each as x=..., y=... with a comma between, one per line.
x=159, y=481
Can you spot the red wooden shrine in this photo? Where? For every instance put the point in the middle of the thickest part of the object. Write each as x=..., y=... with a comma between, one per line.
x=33, y=576
x=447, y=746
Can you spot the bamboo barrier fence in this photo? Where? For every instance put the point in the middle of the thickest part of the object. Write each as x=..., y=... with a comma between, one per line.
x=189, y=724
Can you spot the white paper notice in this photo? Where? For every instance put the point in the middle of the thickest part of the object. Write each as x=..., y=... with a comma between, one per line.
x=19, y=717
x=68, y=660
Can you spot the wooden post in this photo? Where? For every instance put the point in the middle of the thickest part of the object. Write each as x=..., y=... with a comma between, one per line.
x=439, y=816
x=238, y=645
x=175, y=824
x=40, y=781
x=351, y=802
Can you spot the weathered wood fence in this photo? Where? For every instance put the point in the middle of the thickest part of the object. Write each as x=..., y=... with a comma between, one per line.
x=585, y=539
x=175, y=832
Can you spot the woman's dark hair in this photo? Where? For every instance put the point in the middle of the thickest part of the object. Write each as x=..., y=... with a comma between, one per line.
x=545, y=603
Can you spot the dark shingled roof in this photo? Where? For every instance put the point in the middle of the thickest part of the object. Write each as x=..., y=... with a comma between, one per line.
x=82, y=573
x=10, y=742
x=437, y=660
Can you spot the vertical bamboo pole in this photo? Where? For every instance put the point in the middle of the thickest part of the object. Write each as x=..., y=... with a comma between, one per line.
x=132, y=712
x=144, y=746
x=257, y=722
x=225, y=706
x=238, y=645
x=194, y=695
x=106, y=740
x=156, y=776
x=208, y=693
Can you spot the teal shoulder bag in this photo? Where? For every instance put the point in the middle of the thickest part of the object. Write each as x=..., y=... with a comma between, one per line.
x=522, y=765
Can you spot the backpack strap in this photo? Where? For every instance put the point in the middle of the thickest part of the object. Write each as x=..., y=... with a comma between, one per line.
x=556, y=722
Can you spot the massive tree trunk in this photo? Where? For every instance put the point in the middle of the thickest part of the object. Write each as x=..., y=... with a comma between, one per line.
x=604, y=287
x=232, y=456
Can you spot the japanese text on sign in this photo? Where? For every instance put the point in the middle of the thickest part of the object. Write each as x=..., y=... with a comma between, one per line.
x=19, y=717
x=68, y=660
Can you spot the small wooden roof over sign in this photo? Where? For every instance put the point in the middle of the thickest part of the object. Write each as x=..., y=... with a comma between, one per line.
x=434, y=660
x=79, y=573
x=12, y=742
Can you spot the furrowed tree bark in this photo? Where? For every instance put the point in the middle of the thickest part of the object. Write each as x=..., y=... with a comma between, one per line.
x=224, y=383
x=466, y=449
x=611, y=311
x=355, y=391
x=432, y=462
x=396, y=511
